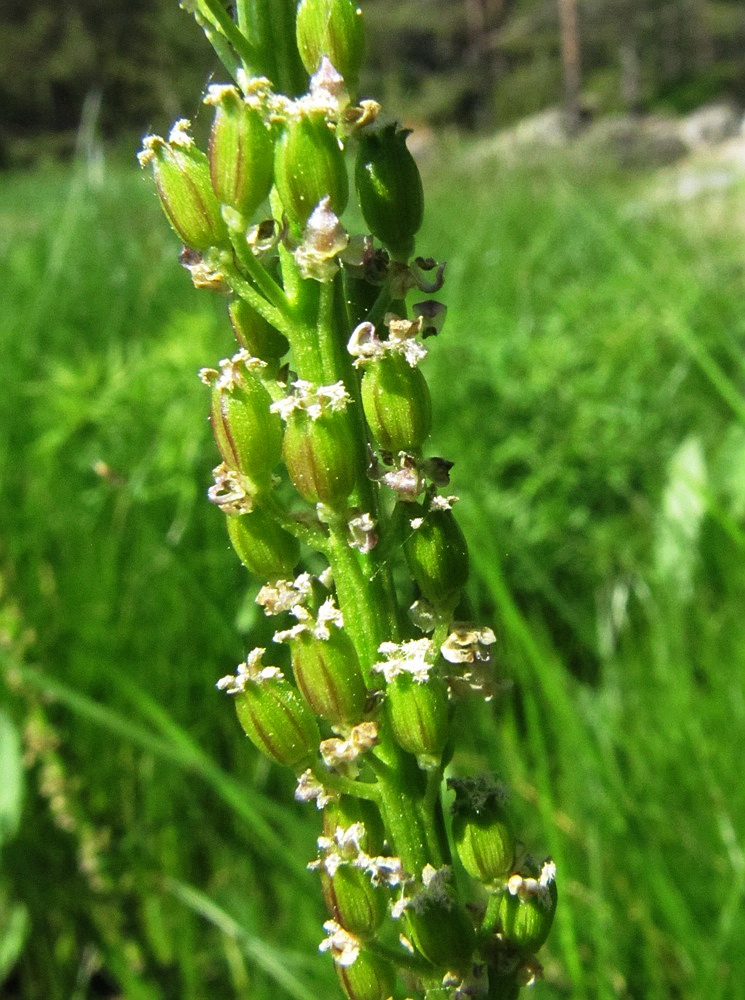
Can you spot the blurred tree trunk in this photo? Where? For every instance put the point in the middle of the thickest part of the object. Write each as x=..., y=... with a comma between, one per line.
x=570, y=58
x=483, y=20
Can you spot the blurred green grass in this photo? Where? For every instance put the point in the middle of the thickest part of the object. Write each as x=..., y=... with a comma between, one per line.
x=589, y=386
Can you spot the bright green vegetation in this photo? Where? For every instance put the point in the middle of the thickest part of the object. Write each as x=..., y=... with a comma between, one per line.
x=589, y=385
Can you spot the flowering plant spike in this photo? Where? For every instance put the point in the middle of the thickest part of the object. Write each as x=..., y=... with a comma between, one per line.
x=321, y=421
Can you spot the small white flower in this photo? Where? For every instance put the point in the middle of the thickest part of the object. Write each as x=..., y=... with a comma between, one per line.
x=252, y=671
x=313, y=400
x=324, y=238
x=285, y=595
x=180, y=134
x=525, y=887
x=229, y=492
x=442, y=503
x=310, y=789
x=361, y=533
x=387, y=871
x=230, y=376
x=413, y=657
x=216, y=92
x=342, y=755
x=344, y=947
x=468, y=644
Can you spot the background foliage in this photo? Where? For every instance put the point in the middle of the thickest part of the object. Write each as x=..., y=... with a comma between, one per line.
x=475, y=63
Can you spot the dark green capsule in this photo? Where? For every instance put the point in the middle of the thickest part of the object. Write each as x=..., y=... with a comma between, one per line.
x=437, y=555
x=389, y=188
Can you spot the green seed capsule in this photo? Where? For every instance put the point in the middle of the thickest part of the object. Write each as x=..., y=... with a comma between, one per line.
x=278, y=722
x=441, y=929
x=418, y=714
x=328, y=674
x=247, y=433
x=526, y=917
x=182, y=177
x=390, y=189
x=319, y=455
x=309, y=166
x=484, y=841
x=368, y=978
x=254, y=333
x=241, y=153
x=263, y=546
x=397, y=404
x=437, y=555
x=353, y=901
x=331, y=28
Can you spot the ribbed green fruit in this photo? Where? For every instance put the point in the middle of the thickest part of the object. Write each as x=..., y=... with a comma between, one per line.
x=397, y=404
x=182, y=177
x=319, y=455
x=263, y=546
x=526, y=923
x=485, y=842
x=248, y=435
x=278, y=722
x=369, y=978
x=309, y=166
x=327, y=672
x=442, y=931
x=331, y=28
x=254, y=333
x=353, y=901
x=418, y=714
x=241, y=154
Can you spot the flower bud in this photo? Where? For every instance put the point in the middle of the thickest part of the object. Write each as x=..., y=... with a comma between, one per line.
x=331, y=28
x=319, y=455
x=397, y=404
x=248, y=434
x=277, y=721
x=241, y=154
x=353, y=901
x=418, y=714
x=438, y=924
x=527, y=908
x=327, y=672
x=182, y=177
x=254, y=333
x=368, y=978
x=390, y=189
x=437, y=555
x=483, y=836
x=309, y=166
x=263, y=546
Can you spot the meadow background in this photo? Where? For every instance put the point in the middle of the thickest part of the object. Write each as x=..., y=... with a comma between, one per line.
x=590, y=386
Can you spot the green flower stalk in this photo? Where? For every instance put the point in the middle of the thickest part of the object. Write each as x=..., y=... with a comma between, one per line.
x=321, y=422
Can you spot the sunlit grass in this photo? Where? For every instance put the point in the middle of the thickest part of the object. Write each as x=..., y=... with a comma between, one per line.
x=588, y=384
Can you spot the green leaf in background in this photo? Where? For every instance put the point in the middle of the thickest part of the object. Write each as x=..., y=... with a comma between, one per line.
x=14, y=926
x=679, y=520
x=14, y=921
x=11, y=785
